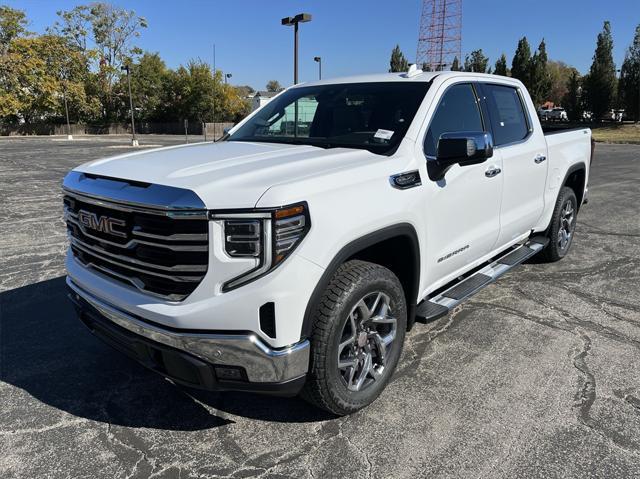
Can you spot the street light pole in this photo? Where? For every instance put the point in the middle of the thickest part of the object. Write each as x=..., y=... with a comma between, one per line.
x=134, y=141
x=319, y=60
x=66, y=110
x=289, y=21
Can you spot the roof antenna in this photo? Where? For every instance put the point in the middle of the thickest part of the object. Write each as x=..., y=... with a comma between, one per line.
x=413, y=71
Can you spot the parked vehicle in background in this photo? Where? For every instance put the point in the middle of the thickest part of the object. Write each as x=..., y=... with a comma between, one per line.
x=290, y=259
x=614, y=115
x=544, y=113
x=558, y=114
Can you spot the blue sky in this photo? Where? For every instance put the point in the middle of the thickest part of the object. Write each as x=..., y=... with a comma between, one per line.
x=353, y=36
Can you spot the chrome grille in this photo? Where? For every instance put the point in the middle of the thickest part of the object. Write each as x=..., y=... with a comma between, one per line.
x=160, y=252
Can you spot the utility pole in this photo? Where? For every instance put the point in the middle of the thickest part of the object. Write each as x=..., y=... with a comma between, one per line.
x=134, y=140
x=213, y=102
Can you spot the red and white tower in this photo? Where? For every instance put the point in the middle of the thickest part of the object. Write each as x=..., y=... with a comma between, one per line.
x=440, y=35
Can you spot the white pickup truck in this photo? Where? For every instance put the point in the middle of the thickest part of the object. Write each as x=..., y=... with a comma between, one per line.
x=292, y=256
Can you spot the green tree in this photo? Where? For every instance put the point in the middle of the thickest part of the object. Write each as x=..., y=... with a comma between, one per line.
x=521, y=63
x=476, y=62
x=148, y=78
x=244, y=90
x=630, y=79
x=273, y=85
x=105, y=34
x=398, y=62
x=36, y=73
x=539, y=81
x=559, y=75
x=501, y=66
x=455, y=65
x=600, y=83
x=572, y=100
x=13, y=24
x=195, y=94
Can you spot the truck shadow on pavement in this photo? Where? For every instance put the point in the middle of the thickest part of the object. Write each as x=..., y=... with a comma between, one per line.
x=46, y=352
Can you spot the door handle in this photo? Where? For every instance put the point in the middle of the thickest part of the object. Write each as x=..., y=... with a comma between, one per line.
x=492, y=171
x=539, y=159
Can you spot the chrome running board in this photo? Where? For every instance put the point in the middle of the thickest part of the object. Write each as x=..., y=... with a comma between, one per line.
x=444, y=301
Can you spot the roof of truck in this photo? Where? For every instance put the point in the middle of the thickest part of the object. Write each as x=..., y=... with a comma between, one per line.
x=418, y=76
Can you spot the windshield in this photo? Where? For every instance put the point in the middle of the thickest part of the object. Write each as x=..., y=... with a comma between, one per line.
x=371, y=116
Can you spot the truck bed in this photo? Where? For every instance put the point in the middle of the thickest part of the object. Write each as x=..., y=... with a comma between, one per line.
x=552, y=129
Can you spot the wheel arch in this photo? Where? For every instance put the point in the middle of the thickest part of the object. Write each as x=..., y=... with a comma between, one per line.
x=575, y=178
x=404, y=261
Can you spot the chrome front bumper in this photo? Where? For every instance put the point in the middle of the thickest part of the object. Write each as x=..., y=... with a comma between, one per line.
x=261, y=363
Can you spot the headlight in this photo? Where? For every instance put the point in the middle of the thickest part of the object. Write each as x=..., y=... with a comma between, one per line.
x=267, y=235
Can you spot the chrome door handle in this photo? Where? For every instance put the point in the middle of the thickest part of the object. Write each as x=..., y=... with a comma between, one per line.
x=493, y=171
x=539, y=158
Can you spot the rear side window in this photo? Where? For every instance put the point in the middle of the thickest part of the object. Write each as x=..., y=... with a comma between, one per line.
x=508, y=118
x=458, y=111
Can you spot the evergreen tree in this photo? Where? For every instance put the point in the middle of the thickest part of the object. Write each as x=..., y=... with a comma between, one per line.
x=500, y=67
x=540, y=82
x=398, y=62
x=630, y=79
x=455, y=65
x=520, y=65
x=476, y=62
x=572, y=100
x=600, y=84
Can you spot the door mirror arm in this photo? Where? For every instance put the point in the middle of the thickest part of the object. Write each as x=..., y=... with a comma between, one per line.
x=461, y=148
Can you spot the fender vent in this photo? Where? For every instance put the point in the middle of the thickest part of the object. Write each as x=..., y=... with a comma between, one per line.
x=268, y=319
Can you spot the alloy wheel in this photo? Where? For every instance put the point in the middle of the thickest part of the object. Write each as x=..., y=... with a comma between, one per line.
x=567, y=218
x=366, y=342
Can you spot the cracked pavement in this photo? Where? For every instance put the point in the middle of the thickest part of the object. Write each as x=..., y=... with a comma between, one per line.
x=535, y=376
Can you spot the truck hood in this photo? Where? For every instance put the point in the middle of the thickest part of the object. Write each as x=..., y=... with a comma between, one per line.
x=228, y=174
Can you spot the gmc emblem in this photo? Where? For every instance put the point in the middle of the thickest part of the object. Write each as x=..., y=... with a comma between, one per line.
x=105, y=224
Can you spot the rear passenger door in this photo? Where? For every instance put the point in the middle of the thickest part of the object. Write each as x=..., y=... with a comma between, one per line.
x=523, y=153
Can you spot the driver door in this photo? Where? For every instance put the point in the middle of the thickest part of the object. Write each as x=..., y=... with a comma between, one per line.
x=462, y=211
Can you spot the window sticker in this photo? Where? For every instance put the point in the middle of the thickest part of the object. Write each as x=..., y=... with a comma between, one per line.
x=383, y=134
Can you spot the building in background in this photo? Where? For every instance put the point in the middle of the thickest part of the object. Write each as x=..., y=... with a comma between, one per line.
x=261, y=98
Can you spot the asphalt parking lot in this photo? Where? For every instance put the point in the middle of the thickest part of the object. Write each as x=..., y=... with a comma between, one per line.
x=536, y=376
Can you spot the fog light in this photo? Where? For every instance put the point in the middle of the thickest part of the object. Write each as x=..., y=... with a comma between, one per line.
x=230, y=373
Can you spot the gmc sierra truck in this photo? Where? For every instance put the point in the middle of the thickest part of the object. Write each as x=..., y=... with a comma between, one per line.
x=292, y=256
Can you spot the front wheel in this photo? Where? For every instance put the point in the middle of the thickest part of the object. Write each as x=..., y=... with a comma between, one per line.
x=358, y=334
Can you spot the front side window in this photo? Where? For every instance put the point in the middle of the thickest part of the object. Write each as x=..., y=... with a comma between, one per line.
x=458, y=111
x=508, y=119
x=372, y=116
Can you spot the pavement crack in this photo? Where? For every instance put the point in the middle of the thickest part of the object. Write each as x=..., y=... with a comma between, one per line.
x=574, y=321
x=51, y=427
x=594, y=230
x=586, y=395
x=420, y=343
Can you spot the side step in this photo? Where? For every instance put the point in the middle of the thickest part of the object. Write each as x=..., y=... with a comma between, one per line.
x=443, y=302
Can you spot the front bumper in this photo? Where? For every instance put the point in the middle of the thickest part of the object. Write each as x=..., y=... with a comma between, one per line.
x=237, y=361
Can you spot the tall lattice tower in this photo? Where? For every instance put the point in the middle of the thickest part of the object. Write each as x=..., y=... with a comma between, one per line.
x=440, y=35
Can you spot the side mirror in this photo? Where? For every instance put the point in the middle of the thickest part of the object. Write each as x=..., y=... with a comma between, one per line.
x=463, y=148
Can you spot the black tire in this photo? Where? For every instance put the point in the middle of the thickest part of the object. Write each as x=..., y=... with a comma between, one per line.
x=560, y=225
x=353, y=282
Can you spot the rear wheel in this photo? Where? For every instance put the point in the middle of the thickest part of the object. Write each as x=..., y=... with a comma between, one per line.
x=562, y=228
x=358, y=334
